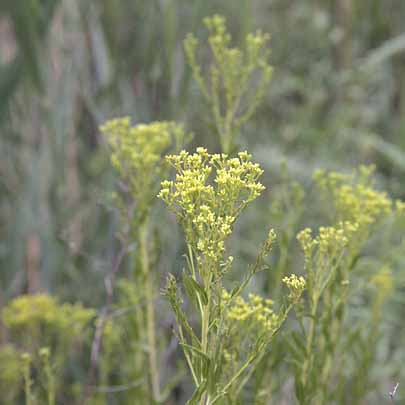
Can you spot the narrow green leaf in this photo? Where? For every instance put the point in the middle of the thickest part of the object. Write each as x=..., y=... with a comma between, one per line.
x=198, y=393
x=194, y=289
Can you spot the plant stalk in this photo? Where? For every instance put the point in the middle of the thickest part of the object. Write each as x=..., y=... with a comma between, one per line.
x=150, y=312
x=205, y=399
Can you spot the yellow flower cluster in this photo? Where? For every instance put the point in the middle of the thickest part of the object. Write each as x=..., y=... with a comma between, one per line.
x=207, y=209
x=33, y=312
x=354, y=198
x=137, y=153
x=257, y=310
x=296, y=286
x=330, y=240
x=307, y=242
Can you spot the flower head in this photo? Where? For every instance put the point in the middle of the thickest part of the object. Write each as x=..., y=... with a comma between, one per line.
x=137, y=153
x=208, y=194
x=296, y=286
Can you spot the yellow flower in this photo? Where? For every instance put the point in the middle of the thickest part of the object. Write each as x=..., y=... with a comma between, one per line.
x=257, y=311
x=354, y=198
x=208, y=209
x=296, y=286
x=137, y=153
x=42, y=312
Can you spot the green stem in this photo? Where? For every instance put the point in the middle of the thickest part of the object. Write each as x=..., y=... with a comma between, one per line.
x=150, y=313
x=50, y=382
x=27, y=380
x=310, y=340
x=204, y=342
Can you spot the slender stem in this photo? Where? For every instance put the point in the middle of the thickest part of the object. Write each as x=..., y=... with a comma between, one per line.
x=50, y=382
x=204, y=341
x=27, y=382
x=311, y=335
x=150, y=312
x=234, y=378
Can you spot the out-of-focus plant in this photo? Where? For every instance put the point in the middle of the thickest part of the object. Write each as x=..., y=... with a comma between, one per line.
x=10, y=374
x=286, y=210
x=49, y=376
x=237, y=78
x=26, y=369
x=362, y=342
x=330, y=259
x=38, y=376
x=137, y=153
x=207, y=195
x=36, y=321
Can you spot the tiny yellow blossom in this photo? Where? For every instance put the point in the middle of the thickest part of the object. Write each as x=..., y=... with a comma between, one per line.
x=296, y=286
x=257, y=310
x=307, y=242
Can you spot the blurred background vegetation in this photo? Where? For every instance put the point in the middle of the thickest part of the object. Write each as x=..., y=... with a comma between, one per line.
x=336, y=100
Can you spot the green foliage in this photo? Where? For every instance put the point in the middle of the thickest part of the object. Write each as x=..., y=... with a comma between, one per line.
x=10, y=373
x=39, y=325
